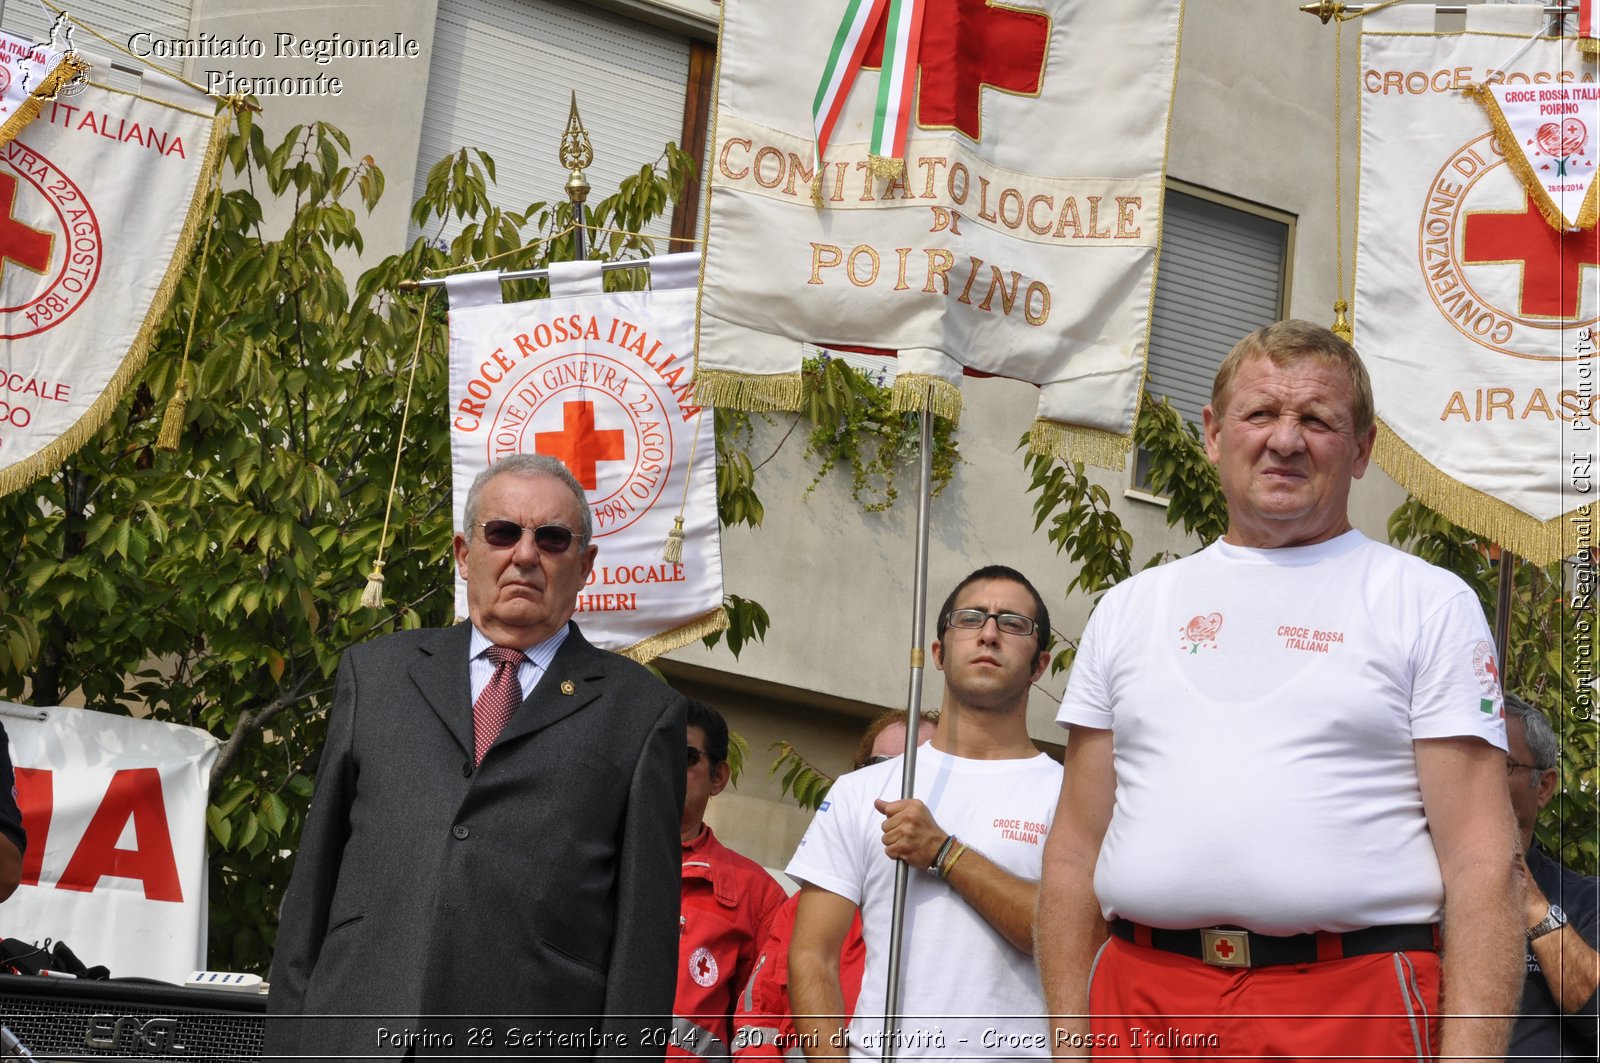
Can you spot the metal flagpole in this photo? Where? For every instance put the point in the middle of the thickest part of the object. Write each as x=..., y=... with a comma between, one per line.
x=1502, y=611
x=1327, y=9
x=919, y=611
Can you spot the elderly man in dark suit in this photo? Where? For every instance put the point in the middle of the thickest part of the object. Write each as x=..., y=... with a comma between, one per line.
x=490, y=863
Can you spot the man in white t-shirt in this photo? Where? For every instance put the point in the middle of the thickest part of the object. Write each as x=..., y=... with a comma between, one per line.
x=1285, y=769
x=973, y=836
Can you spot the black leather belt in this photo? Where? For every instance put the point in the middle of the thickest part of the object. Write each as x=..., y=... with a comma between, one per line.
x=1229, y=947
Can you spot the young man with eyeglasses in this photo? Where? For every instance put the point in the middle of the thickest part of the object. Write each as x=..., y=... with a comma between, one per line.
x=1285, y=769
x=972, y=835
x=727, y=907
x=763, y=1025
x=1560, y=1005
x=493, y=842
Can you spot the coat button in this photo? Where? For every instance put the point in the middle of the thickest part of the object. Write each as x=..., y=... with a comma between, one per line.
x=460, y=831
x=466, y=769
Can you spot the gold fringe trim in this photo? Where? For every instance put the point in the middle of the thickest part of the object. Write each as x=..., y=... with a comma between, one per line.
x=816, y=189
x=883, y=167
x=1589, y=213
x=922, y=391
x=1517, y=159
x=1074, y=442
x=748, y=391
x=49, y=457
x=1589, y=46
x=64, y=72
x=1540, y=542
x=648, y=649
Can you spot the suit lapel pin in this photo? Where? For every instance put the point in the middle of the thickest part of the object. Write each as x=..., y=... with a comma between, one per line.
x=568, y=686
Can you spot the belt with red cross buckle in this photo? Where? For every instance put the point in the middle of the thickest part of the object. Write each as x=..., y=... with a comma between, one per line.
x=1225, y=948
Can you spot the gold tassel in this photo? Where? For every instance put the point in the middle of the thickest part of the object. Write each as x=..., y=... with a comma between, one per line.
x=372, y=596
x=922, y=391
x=816, y=189
x=172, y=421
x=1589, y=46
x=881, y=167
x=1073, y=442
x=1341, y=325
x=672, y=550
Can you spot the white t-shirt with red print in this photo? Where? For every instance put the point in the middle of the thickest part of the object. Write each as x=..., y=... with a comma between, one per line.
x=1263, y=705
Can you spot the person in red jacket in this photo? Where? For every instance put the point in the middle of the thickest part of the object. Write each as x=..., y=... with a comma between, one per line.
x=763, y=1025
x=728, y=904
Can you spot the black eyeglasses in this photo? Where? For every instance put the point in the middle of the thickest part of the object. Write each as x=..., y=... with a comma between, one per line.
x=549, y=538
x=694, y=756
x=1513, y=765
x=974, y=619
x=879, y=759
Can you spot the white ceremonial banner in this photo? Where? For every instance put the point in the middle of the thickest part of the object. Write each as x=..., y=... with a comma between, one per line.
x=115, y=812
x=1474, y=315
x=601, y=381
x=1019, y=240
x=101, y=197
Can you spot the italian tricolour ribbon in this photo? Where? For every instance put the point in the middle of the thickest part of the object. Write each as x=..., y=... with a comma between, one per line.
x=896, y=81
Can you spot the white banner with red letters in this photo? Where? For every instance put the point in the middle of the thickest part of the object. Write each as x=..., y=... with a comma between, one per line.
x=101, y=197
x=1475, y=315
x=115, y=813
x=601, y=381
x=1017, y=236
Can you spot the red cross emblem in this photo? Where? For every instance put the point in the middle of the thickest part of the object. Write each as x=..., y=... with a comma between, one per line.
x=1551, y=259
x=19, y=243
x=1224, y=948
x=704, y=966
x=579, y=446
x=967, y=46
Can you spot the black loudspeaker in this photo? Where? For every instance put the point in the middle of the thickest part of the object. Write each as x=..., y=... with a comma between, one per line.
x=68, y=1019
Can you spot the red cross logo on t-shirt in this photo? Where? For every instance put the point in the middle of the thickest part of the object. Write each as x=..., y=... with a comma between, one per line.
x=1551, y=260
x=967, y=46
x=579, y=445
x=19, y=243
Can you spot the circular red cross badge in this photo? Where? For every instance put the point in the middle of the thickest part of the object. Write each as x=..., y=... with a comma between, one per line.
x=50, y=244
x=602, y=420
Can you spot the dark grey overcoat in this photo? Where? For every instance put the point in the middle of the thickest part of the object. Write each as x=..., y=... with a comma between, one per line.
x=475, y=906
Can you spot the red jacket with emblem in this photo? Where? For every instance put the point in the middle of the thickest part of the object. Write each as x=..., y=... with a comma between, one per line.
x=763, y=1027
x=728, y=904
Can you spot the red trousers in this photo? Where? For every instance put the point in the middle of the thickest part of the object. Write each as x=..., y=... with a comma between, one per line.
x=1148, y=1004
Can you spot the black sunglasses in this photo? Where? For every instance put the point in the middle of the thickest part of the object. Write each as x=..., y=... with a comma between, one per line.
x=694, y=756
x=549, y=538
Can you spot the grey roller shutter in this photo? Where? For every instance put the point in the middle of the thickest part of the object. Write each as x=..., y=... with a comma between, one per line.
x=119, y=20
x=502, y=77
x=1221, y=276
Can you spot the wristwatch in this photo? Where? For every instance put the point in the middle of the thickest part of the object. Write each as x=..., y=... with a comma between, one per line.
x=1553, y=920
